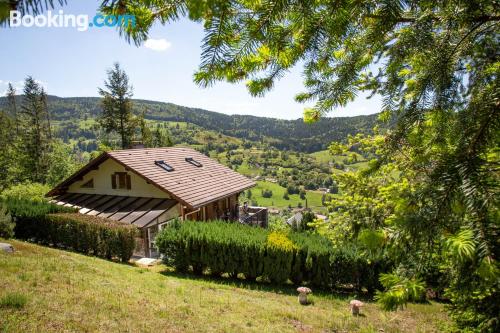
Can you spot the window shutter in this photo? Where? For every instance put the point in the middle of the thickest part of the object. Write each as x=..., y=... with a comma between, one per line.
x=129, y=185
x=113, y=182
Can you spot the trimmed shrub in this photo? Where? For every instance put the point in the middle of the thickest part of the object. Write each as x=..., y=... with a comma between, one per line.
x=279, y=257
x=92, y=235
x=220, y=247
x=26, y=213
x=60, y=227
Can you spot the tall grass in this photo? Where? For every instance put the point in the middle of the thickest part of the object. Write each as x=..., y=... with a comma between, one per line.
x=14, y=300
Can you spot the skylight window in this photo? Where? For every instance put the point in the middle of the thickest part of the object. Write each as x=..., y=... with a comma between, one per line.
x=193, y=162
x=164, y=166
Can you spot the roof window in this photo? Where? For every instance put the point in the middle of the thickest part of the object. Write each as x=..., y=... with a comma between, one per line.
x=162, y=164
x=193, y=162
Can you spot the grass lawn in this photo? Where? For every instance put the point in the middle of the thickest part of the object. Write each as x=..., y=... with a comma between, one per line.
x=52, y=291
x=277, y=200
x=248, y=170
x=323, y=156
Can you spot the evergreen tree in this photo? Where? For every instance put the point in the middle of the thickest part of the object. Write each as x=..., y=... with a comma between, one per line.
x=116, y=105
x=34, y=145
x=43, y=98
x=6, y=136
x=161, y=139
x=34, y=7
x=12, y=105
x=146, y=135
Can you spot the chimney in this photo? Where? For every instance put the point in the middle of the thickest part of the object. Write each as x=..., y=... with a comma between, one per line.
x=136, y=145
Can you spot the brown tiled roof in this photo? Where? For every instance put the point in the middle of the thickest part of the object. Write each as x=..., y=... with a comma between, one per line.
x=191, y=185
x=132, y=210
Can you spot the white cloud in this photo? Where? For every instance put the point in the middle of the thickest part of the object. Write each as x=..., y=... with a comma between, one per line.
x=157, y=44
x=41, y=83
x=19, y=86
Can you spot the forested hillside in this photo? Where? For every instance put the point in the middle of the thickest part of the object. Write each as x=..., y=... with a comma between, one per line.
x=282, y=134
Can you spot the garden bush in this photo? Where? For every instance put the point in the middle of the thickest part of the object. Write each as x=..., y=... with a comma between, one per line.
x=35, y=191
x=26, y=213
x=219, y=247
x=6, y=224
x=60, y=227
x=90, y=235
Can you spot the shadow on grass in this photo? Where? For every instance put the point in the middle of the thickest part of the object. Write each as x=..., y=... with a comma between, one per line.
x=286, y=289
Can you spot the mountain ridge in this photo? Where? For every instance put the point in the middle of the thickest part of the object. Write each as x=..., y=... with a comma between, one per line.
x=280, y=133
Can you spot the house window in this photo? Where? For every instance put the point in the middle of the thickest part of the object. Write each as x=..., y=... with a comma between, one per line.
x=193, y=162
x=88, y=184
x=164, y=166
x=121, y=181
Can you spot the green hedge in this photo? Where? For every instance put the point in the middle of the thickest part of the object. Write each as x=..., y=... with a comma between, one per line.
x=90, y=235
x=26, y=212
x=221, y=247
x=58, y=226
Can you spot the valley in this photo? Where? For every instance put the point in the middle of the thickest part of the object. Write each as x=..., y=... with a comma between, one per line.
x=278, y=154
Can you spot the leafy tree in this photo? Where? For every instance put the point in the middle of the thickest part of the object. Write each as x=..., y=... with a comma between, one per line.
x=286, y=196
x=267, y=193
x=399, y=291
x=62, y=163
x=435, y=63
x=395, y=199
x=302, y=194
x=19, y=192
x=116, y=105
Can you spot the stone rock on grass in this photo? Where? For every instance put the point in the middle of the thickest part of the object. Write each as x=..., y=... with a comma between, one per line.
x=6, y=247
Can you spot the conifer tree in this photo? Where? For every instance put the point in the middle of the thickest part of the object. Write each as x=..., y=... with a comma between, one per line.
x=5, y=149
x=12, y=105
x=116, y=105
x=161, y=139
x=34, y=132
x=146, y=135
x=43, y=99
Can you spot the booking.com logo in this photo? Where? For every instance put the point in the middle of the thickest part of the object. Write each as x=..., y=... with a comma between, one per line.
x=61, y=20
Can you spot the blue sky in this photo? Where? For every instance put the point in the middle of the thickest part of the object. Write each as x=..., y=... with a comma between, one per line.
x=69, y=62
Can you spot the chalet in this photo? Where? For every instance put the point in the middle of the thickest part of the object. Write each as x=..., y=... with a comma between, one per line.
x=150, y=187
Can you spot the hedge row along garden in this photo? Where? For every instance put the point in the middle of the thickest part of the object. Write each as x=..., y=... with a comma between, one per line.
x=219, y=247
x=60, y=227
